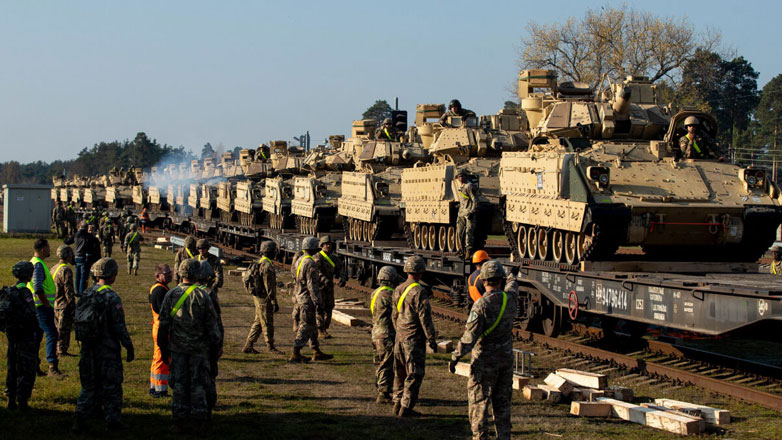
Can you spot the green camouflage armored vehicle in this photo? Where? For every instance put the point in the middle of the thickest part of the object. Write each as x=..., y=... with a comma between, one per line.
x=608, y=172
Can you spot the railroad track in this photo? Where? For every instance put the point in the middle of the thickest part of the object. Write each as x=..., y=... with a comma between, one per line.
x=749, y=381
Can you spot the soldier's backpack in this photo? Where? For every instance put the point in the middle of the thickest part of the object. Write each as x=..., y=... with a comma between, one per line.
x=11, y=308
x=250, y=278
x=89, y=321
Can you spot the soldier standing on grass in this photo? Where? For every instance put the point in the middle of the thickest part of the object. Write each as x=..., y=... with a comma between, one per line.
x=188, y=251
x=107, y=237
x=383, y=333
x=260, y=281
x=412, y=317
x=188, y=333
x=100, y=327
x=329, y=266
x=64, y=300
x=204, y=276
x=132, y=246
x=21, y=330
x=489, y=335
x=215, y=282
x=308, y=302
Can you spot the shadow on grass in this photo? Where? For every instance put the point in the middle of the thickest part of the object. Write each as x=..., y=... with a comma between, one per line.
x=239, y=423
x=278, y=381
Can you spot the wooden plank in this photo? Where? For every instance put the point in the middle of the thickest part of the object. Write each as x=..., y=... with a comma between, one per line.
x=463, y=369
x=712, y=416
x=532, y=392
x=519, y=381
x=443, y=346
x=345, y=319
x=552, y=394
x=590, y=409
x=620, y=393
x=663, y=420
x=699, y=420
x=586, y=394
x=559, y=383
x=584, y=379
x=236, y=272
x=626, y=411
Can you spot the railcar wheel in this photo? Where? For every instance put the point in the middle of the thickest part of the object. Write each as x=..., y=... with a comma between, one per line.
x=543, y=244
x=532, y=242
x=442, y=238
x=557, y=245
x=552, y=318
x=417, y=235
x=451, y=239
x=571, y=248
x=528, y=320
x=432, y=237
x=521, y=241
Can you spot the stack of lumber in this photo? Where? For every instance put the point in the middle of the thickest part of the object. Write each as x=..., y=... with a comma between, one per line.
x=349, y=304
x=239, y=271
x=566, y=385
x=162, y=243
x=519, y=381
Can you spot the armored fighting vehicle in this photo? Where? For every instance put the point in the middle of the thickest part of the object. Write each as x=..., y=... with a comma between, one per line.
x=604, y=173
x=118, y=189
x=226, y=192
x=314, y=202
x=276, y=202
x=430, y=193
x=207, y=202
x=249, y=202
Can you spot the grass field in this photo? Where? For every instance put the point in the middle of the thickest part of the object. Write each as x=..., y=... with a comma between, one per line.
x=262, y=396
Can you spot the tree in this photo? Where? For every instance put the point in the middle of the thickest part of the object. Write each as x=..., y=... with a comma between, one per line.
x=608, y=44
x=511, y=105
x=207, y=151
x=237, y=151
x=768, y=115
x=378, y=111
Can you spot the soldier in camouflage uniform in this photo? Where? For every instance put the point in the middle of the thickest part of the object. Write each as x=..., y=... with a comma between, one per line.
x=22, y=352
x=100, y=366
x=107, y=237
x=383, y=333
x=776, y=262
x=188, y=251
x=189, y=332
x=70, y=219
x=308, y=301
x=412, y=317
x=204, y=275
x=468, y=208
x=216, y=281
x=455, y=109
x=696, y=144
x=260, y=281
x=58, y=218
x=132, y=245
x=489, y=336
x=65, y=299
x=329, y=266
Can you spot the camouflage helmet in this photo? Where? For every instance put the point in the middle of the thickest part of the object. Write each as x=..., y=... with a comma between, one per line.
x=455, y=104
x=206, y=271
x=133, y=227
x=462, y=173
x=415, y=264
x=189, y=269
x=387, y=121
x=190, y=242
x=105, y=268
x=326, y=239
x=268, y=247
x=777, y=249
x=203, y=244
x=310, y=244
x=691, y=120
x=23, y=270
x=387, y=273
x=492, y=269
x=64, y=252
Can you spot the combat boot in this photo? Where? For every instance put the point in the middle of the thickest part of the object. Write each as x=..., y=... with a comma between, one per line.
x=12, y=402
x=321, y=356
x=248, y=348
x=405, y=412
x=273, y=349
x=383, y=398
x=296, y=357
x=54, y=370
x=130, y=271
x=23, y=406
x=323, y=334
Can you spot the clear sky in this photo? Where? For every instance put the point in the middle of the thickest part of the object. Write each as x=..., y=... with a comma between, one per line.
x=237, y=73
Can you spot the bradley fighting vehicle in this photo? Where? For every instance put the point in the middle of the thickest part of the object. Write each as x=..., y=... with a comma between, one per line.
x=95, y=192
x=283, y=164
x=604, y=173
x=249, y=192
x=118, y=190
x=430, y=191
x=371, y=195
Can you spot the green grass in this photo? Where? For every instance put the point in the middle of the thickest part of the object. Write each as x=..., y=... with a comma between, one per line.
x=264, y=396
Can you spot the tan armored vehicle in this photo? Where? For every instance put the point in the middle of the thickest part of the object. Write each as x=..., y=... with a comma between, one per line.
x=276, y=202
x=314, y=202
x=226, y=192
x=157, y=198
x=607, y=173
x=207, y=202
x=194, y=196
x=254, y=162
x=249, y=202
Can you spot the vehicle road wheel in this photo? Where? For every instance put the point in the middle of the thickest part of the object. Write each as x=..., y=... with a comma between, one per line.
x=532, y=242
x=442, y=238
x=417, y=235
x=582, y=244
x=543, y=244
x=557, y=245
x=432, y=237
x=424, y=237
x=522, y=241
x=451, y=239
x=571, y=248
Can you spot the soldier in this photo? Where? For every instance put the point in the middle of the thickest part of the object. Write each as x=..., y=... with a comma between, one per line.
x=776, y=263
x=187, y=335
x=475, y=286
x=696, y=144
x=412, y=317
x=329, y=266
x=44, y=293
x=204, y=275
x=308, y=301
x=455, y=109
x=21, y=333
x=468, y=208
x=188, y=251
x=70, y=219
x=107, y=238
x=489, y=335
x=64, y=300
x=158, y=371
x=132, y=246
x=100, y=327
x=216, y=281
x=260, y=281
x=58, y=218
x=383, y=333
x=386, y=132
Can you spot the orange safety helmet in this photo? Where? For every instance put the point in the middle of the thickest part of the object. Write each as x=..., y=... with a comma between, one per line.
x=479, y=257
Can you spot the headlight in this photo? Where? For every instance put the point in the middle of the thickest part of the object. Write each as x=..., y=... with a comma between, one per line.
x=753, y=177
x=751, y=180
x=599, y=175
